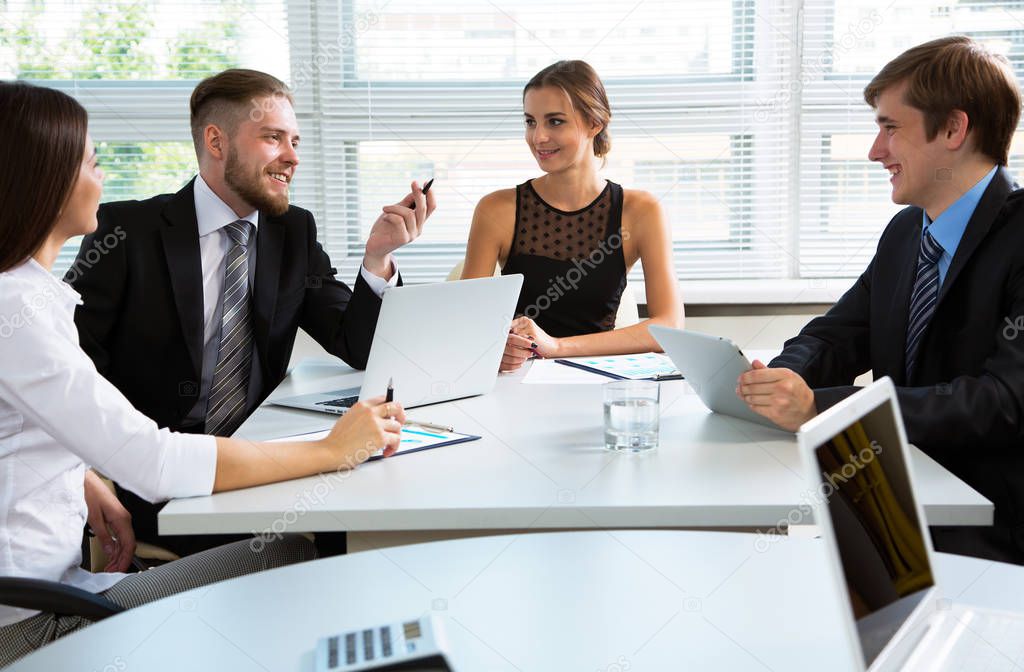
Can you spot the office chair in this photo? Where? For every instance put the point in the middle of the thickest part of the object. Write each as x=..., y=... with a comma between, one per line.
x=55, y=597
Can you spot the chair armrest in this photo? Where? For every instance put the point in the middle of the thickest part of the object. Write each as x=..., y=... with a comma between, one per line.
x=54, y=597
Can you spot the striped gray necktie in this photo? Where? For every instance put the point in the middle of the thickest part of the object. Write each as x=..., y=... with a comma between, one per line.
x=924, y=296
x=230, y=387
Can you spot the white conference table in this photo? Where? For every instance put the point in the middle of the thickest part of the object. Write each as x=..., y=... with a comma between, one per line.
x=588, y=600
x=541, y=464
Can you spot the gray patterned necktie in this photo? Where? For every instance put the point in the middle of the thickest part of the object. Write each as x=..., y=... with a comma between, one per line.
x=924, y=296
x=229, y=390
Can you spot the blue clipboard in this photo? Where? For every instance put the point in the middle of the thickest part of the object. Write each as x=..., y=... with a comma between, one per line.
x=615, y=376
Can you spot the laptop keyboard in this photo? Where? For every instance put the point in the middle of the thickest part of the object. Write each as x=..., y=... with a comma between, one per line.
x=343, y=402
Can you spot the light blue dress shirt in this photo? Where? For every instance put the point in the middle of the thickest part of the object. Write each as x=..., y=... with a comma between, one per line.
x=949, y=228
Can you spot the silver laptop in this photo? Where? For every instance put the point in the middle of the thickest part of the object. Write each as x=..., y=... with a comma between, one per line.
x=437, y=342
x=711, y=365
x=880, y=553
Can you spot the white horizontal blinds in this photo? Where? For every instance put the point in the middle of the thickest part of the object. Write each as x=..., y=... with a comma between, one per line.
x=434, y=90
x=140, y=40
x=745, y=118
x=845, y=198
x=133, y=66
x=136, y=170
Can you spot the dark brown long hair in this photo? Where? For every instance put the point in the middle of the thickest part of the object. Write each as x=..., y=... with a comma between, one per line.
x=42, y=140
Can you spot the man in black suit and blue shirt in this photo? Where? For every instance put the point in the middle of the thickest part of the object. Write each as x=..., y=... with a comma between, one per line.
x=931, y=310
x=192, y=301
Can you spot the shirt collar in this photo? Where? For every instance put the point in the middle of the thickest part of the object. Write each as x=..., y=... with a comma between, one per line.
x=212, y=213
x=33, y=268
x=949, y=228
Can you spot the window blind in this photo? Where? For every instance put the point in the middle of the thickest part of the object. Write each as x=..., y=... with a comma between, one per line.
x=435, y=90
x=133, y=66
x=845, y=198
x=744, y=117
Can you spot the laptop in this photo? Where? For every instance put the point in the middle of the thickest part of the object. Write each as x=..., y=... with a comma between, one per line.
x=436, y=342
x=880, y=553
x=711, y=365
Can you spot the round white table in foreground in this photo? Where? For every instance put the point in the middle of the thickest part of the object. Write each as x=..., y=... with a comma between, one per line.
x=595, y=600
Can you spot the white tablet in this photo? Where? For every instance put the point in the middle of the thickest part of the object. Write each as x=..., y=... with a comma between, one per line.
x=711, y=365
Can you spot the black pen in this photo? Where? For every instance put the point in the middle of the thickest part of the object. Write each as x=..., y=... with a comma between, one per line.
x=389, y=396
x=426, y=188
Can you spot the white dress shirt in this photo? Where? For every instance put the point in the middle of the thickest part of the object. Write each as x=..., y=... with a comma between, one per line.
x=59, y=416
x=212, y=216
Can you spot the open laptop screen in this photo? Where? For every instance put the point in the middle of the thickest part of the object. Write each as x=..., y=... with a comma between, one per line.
x=866, y=484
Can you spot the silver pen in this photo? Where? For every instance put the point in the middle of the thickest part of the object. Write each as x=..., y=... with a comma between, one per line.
x=431, y=425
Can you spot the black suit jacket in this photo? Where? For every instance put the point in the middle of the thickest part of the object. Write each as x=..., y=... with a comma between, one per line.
x=141, y=320
x=965, y=403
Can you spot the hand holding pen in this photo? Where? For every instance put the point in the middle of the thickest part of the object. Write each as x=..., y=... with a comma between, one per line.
x=528, y=341
x=368, y=427
x=518, y=349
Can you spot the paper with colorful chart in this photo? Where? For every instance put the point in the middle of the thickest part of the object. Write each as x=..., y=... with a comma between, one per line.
x=414, y=438
x=643, y=366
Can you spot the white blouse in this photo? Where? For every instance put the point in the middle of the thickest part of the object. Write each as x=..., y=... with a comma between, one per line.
x=58, y=417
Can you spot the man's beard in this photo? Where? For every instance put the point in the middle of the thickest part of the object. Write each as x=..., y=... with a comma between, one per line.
x=250, y=187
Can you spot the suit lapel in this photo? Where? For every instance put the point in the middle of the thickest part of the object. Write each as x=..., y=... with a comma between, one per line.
x=978, y=227
x=184, y=264
x=269, y=248
x=900, y=308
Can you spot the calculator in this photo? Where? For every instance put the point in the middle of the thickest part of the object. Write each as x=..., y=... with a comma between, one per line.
x=406, y=645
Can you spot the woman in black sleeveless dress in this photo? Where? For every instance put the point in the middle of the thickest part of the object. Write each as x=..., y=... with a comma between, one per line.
x=572, y=234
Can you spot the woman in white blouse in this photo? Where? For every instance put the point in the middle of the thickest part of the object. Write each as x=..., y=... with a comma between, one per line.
x=59, y=418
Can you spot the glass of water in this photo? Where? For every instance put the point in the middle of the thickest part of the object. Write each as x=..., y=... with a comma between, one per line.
x=631, y=410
